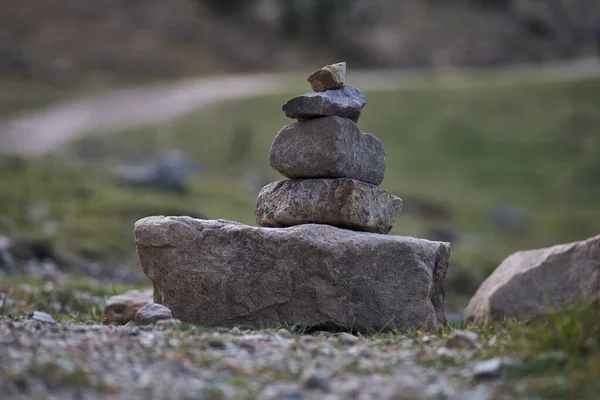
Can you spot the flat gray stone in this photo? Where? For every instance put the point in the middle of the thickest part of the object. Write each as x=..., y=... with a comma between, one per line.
x=329, y=147
x=345, y=203
x=531, y=283
x=151, y=313
x=346, y=102
x=221, y=273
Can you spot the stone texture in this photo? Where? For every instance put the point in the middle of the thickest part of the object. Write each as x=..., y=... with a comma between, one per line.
x=346, y=102
x=122, y=308
x=528, y=283
x=345, y=203
x=330, y=147
x=221, y=273
x=329, y=77
x=151, y=313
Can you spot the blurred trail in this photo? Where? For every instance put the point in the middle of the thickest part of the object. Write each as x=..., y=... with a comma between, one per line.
x=42, y=131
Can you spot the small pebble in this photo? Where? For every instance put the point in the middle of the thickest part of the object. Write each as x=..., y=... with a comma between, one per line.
x=315, y=379
x=150, y=313
x=346, y=338
x=446, y=354
x=42, y=317
x=491, y=368
x=462, y=340
x=216, y=342
x=284, y=333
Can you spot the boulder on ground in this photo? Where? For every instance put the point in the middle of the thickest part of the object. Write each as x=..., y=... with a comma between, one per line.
x=530, y=284
x=329, y=77
x=331, y=147
x=346, y=102
x=122, y=308
x=221, y=273
x=345, y=203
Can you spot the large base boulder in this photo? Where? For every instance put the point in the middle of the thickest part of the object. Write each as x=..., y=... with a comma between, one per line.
x=531, y=283
x=221, y=273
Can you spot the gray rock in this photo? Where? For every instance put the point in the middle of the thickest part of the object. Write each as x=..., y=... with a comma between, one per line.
x=170, y=171
x=491, y=368
x=344, y=203
x=346, y=102
x=462, y=340
x=122, y=308
x=151, y=313
x=221, y=273
x=330, y=147
x=329, y=77
x=530, y=283
x=446, y=354
x=346, y=338
x=42, y=317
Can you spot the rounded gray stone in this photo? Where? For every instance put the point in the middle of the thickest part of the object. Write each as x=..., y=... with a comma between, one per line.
x=330, y=147
x=151, y=313
x=344, y=203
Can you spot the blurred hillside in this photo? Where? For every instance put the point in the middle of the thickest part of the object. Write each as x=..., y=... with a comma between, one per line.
x=69, y=40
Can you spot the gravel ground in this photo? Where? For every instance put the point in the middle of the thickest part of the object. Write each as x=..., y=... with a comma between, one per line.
x=171, y=360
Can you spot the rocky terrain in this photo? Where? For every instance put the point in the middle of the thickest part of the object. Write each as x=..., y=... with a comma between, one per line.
x=40, y=359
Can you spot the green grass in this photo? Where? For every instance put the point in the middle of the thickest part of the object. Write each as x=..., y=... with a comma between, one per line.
x=74, y=299
x=560, y=354
x=466, y=151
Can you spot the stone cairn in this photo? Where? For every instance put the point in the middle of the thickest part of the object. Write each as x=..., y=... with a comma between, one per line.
x=321, y=256
x=334, y=167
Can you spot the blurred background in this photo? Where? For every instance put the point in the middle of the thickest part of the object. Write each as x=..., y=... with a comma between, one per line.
x=114, y=110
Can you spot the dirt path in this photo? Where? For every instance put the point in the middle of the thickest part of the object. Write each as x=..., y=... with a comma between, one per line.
x=41, y=131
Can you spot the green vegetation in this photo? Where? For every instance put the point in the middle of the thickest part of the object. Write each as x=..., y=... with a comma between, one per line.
x=73, y=299
x=559, y=356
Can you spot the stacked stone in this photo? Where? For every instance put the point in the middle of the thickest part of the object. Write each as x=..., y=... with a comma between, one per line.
x=334, y=167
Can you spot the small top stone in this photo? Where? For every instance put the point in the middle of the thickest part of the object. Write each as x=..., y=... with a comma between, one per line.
x=329, y=77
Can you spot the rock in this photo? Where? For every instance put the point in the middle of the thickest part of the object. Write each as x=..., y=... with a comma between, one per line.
x=170, y=171
x=168, y=322
x=150, y=313
x=346, y=102
x=530, y=283
x=122, y=308
x=446, y=354
x=315, y=379
x=329, y=77
x=284, y=333
x=344, y=203
x=491, y=368
x=42, y=317
x=221, y=273
x=510, y=219
x=346, y=338
x=330, y=147
x=462, y=340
